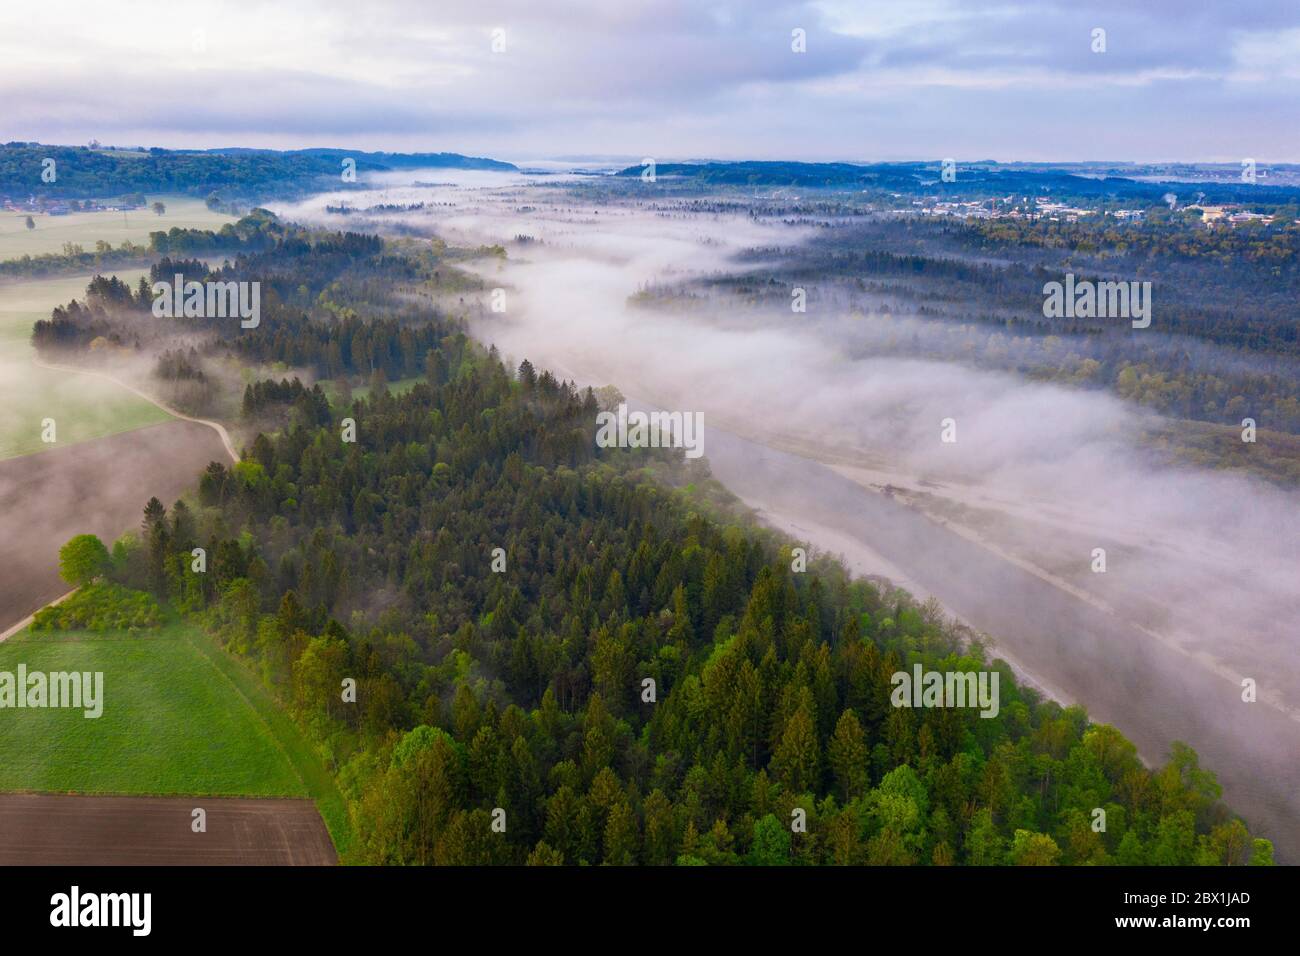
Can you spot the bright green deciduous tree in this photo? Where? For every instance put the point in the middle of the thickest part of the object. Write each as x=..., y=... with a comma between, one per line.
x=82, y=559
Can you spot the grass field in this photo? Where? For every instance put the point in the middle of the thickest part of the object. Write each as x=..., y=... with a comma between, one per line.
x=83, y=407
x=86, y=228
x=171, y=724
x=179, y=717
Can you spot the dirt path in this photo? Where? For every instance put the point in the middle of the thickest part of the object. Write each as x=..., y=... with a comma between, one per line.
x=217, y=426
x=30, y=617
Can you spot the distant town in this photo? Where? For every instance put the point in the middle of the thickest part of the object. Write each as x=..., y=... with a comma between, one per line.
x=1042, y=208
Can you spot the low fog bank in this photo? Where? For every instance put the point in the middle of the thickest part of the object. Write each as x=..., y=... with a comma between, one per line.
x=1210, y=557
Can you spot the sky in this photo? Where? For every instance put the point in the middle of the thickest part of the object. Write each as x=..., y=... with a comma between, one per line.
x=878, y=79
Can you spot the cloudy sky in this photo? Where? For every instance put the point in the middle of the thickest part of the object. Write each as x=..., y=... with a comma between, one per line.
x=880, y=79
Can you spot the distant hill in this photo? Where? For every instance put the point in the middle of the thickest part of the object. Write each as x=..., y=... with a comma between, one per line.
x=381, y=160
x=974, y=180
x=81, y=171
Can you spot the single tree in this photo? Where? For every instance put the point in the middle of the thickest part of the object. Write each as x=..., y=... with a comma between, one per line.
x=848, y=754
x=796, y=758
x=1034, y=849
x=82, y=559
x=154, y=512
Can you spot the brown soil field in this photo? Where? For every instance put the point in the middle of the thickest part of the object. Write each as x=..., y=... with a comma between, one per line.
x=97, y=487
x=68, y=830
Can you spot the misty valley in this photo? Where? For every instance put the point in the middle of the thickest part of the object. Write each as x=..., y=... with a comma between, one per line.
x=494, y=447
x=486, y=458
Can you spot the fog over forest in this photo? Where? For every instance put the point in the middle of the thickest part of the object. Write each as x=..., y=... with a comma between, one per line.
x=1039, y=475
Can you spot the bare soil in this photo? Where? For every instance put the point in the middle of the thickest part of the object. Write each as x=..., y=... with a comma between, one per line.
x=67, y=830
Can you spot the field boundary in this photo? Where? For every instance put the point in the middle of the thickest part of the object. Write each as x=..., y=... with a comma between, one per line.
x=318, y=783
x=305, y=776
x=215, y=426
x=26, y=622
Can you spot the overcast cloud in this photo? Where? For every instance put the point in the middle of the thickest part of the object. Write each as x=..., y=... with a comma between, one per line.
x=885, y=79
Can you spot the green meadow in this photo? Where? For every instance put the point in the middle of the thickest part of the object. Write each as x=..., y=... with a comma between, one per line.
x=171, y=723
x=82, y=406
x=179, y=717
x=87, y=228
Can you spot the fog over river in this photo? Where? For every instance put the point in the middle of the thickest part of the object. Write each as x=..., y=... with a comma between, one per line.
x=1201, y=589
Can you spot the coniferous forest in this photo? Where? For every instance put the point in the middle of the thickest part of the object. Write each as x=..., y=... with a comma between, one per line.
x=524, y=689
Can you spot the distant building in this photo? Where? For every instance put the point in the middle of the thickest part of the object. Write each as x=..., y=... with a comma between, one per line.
x=1238, y=218
x=1211, y=214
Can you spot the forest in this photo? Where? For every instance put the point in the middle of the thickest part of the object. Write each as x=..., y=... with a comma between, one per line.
x=296, y=269
x=84, y=171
